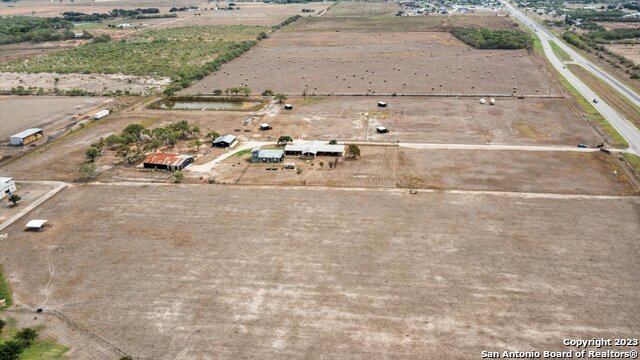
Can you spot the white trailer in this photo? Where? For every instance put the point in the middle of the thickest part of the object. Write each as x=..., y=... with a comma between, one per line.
x=101, y=114
x=7, y=186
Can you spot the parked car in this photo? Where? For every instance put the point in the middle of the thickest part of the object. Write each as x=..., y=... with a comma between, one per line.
x=584, y=146
x=595, y=101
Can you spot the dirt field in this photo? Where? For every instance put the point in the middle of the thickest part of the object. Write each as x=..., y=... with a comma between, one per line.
x=434, y=120
x=618, y=25
x=347, y=8
x=9, y=52
x=22, y=112
x=273, y=273
x=631, y=52
x=249, y=13
x=95, y=83
x=553, y=172
x=400, y=23
x=378, y=63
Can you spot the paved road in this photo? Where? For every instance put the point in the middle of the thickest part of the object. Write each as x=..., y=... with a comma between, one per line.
x=629, y=131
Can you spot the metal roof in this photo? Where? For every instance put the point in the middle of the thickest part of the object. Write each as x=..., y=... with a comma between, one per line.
x=4, y=180
x=314, y=148
x=36, y=224
x=25, y=133
x=166, y=159
x=225, y=138
x=270, y=154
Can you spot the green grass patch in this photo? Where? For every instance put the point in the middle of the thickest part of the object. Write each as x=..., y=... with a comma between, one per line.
x=594, y=116
x=561, y=54
x=5, y=291
x=45, y=350
x=242, y=153
x=634, y=161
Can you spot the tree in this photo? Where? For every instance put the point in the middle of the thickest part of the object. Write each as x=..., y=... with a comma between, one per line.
x=10, y=350
x=92, y=153
x=217, y=92
x=2, y=324
x=178, y=176
x=126, y=358
x=284, y=139
x=267, y=92
x=197, y=144
x=333, y=142
x=281, y=97
x=212, y=135
x=14, y=198
x=321, y=164
x=353, y=150
x=89, y=171
x=27, y=335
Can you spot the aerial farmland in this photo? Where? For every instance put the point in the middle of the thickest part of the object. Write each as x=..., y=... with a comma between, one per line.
x=304, y=180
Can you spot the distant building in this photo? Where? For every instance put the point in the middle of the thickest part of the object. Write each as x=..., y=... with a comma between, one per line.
x=26, y=137
x=224, y=141
x=123, y=26
x=164, y=161
x=266, y=156
x=7, y=186
x=313, y=149
x=101, y=114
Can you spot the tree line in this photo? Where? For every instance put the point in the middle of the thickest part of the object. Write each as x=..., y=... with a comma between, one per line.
x=493, y=39
x=17, y=29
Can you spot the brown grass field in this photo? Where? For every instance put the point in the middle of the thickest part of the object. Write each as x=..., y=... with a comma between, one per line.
x=236, y=271
x=378, y=63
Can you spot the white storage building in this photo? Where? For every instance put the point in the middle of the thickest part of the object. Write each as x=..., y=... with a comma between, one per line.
x=26, y=137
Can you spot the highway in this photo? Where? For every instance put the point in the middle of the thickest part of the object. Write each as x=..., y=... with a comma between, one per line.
x=629, y=131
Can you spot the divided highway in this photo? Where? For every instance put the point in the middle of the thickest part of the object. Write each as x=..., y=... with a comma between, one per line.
x=629, y=131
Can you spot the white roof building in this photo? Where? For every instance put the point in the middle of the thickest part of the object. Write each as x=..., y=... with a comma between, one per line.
x=314, y=148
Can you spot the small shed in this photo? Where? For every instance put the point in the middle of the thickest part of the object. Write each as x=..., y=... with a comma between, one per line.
x=35, y=225
x=101, y=114
x=26, y=137
x=288, y=107
x=382, y=130
x=289, y=166
x=259, y=155
x=382, y=104
x=7, y=186
x=224, y=141
x=265, y=126
x=165, y=161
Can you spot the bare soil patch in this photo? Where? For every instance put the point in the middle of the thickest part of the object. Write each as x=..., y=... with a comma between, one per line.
x=94, y=83
x=400, y=23
x=378, y=63
x=271, y=273
x=434, y=120
x=554, y=172
x=22, y=112
x=350, y=8
x=630, y=51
